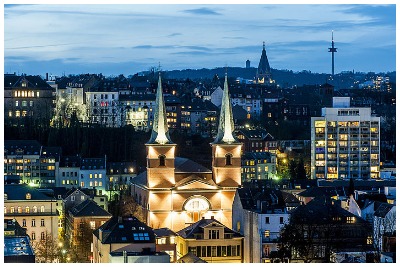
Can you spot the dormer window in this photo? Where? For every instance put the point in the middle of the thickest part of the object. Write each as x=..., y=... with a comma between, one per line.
x=5, y=196
x=28, y=196
x=162, y=160
x=228, y=159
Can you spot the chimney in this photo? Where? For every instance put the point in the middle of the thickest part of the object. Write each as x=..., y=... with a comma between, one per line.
x=212, y=217
x=47, y=76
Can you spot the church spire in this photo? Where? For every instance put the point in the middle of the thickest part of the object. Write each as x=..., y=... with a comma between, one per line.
x=159, y=133
x=226, y=125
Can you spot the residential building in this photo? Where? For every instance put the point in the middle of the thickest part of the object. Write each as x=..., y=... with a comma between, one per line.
x=126, y=240
x=199, y=117
x=329, y=233
x=26, y=98
x=86, y=215
x=175, y=191
x=35, y=164
x=257, y=140
x=69, y=172
x=120, y=175
x=32, y=209
x=139, y=110
x=259, y=214
x=248, y=100
x=211, y=241
x=345, y=142
x=166, y=242
x=258, y=165
x=104, y=108
x=93, y=174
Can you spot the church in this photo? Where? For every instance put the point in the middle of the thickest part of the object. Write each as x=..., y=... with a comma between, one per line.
x=176, y=192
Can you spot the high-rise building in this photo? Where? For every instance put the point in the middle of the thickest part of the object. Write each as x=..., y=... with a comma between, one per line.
x=175, y=191
x=345, y=142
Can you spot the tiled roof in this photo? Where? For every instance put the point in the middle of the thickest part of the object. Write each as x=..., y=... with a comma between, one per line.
x=190, y=258
x=19, y=191
x=89, y=208
x=274, y=198
x=322, y=191
x=198, y=227
x=188, y=166
x=93, y=163
x=15, y=81
x=161, y=232
x=29, y=147
x=125, y=230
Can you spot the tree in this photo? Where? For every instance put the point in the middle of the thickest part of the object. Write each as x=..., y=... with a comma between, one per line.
x=47, y=249
x=129, y=207
x=351, y=187
x=80, y=251
x=300, y=170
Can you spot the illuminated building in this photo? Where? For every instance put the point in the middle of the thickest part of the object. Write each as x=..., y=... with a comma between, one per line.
x=27, y=97
x=211, y=241
x=345, y=142
x=35, y=164
x=176, y=191
x=32, y=209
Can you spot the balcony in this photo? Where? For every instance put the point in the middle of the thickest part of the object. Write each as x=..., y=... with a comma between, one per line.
x=269, y=239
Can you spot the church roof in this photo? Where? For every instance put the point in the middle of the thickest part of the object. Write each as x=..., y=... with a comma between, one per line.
x=263, y=66
x=226, y=125
x=182, y=165
x=160, y=133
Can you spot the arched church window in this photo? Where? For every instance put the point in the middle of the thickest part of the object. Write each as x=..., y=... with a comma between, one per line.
x=228, y=159
x=162, y=160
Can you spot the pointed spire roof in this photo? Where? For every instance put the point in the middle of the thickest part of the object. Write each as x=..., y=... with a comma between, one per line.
x=159, y=133
x=226, y=125
x=263, y=66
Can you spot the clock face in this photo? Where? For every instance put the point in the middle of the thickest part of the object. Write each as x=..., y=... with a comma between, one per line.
x=197, y=204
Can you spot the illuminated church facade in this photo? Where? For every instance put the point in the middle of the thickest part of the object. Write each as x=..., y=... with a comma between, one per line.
x=176, y=192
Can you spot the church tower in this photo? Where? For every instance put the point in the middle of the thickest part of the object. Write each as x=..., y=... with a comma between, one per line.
x=226, y=149
x=263, y=74
x=160, y=148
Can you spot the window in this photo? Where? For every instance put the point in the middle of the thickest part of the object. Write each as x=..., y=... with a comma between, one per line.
x=213, y=234
x=72, y=198
x=281, y=220
x=228, y=159
x=34, y=209
x=33, y=223
x=42, y=236
x=161, y=240
x=172, y=239
x=17, y=103
x=23, y=222
x=27, y=210
x=19, y=209
x=266, y=233
x=12, y=210
x=266, y=220
x=33, y=235
x=28, y=196
x=351, y=220
x=41, y=208
x=162, y=160
x=92, y=224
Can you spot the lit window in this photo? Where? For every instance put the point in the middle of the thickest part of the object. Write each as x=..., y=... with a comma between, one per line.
x=351, y=220
x=34, y=209
x=33, y=235
x=91, y=184
x=19, y=209
x=17, y=103
x=95, y=175
x=37, y=94
x=90, y=176
x=10, y=113
x=266, y=233
x=41, y=208
x=28, y=196
x=27, y=210
x=100, y=175
x=92, y=224
x=17, y=113
x=82, y=184
x=12, y=210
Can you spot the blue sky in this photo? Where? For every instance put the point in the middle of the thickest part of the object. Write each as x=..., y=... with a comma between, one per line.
x=115, y=39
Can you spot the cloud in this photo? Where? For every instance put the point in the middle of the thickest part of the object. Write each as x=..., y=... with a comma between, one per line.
x=201, y=11
x=174, y=34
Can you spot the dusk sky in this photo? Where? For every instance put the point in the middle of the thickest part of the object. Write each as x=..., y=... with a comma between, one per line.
x=126, y=39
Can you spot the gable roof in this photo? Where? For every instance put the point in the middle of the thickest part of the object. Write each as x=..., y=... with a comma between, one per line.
x=163, y=232
x=193, y=180
x=382, y=209
x=184, y=165
x=89, y=208
x=198, y=227
x=125, y=230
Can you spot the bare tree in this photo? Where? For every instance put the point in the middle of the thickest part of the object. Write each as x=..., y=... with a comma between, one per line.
x=129, y=207
x=47, y=249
